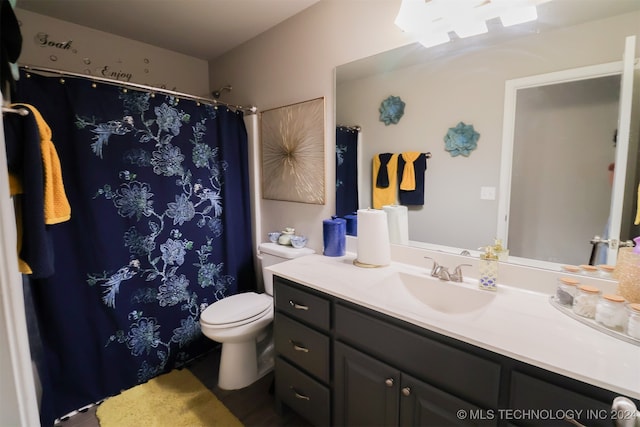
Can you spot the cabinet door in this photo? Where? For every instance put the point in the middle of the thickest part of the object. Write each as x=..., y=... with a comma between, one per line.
x=424, y=405
x=539, y=402
x=366, y=390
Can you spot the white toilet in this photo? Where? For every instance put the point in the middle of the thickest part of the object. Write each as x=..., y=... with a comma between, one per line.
x=242, y=323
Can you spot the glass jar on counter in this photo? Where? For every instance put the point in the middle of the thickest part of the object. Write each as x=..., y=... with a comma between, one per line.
x=590, y=270
x=566, y=290
x=611, y=312
x=633, y=321
x=571, y=269
x=606, y=271
x=585, y=301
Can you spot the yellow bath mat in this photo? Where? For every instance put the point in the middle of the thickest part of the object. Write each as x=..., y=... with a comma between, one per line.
x=176, y=399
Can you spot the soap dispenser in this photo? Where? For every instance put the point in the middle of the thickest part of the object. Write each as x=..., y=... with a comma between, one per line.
x=499, y=250
x=488, y=269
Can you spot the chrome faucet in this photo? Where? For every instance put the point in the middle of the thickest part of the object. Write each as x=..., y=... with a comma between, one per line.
x=457, y=273
x=435, y=268
x=442, y=272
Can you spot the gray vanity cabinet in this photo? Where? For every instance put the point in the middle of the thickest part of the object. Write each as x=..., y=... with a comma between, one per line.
x=425, y=405
x=405, y=378
x=339, y=363
x=371, y=393
x=367, y=391
x=532, y=393
x=302, y=344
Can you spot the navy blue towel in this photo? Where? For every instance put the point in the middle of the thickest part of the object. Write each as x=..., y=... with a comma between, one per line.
x=413, y=197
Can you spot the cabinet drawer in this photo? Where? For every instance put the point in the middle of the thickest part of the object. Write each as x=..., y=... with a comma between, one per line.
x=459, y=372
x=302, y=305
x=302, y=393
x=303, y=346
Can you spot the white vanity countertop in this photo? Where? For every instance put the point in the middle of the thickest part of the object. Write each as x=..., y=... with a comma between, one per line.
x=517, y=323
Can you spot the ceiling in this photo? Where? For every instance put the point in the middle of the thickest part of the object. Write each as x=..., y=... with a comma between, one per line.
x=203, y=29
x=207, y=29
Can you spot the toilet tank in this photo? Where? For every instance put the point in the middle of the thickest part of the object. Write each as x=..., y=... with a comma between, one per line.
x=273, y=253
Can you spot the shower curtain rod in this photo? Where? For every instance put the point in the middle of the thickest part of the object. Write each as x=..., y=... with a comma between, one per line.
x=19, y=111
x=354, y=128
x=246, y=109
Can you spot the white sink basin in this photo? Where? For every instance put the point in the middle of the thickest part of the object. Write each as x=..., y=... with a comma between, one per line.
x=438, y=295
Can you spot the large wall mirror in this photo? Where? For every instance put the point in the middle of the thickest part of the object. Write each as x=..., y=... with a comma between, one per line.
x=466, y=81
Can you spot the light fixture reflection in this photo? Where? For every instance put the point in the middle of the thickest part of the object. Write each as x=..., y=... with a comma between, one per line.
x=470, y=28
x=431, y=21
x=429, y=40
x=519, y=16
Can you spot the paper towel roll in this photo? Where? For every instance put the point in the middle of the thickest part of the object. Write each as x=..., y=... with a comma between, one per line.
x=373, y=238
x=334, y=232
x=398, y=221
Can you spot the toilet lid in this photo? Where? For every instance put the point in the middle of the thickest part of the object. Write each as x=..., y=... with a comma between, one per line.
x=237, y=309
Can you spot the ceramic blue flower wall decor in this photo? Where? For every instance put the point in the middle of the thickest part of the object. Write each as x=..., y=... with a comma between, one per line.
x=391, y=110
x=462, y=139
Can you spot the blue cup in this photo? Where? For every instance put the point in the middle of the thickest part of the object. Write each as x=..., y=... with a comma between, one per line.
x=352, y=224
x=298, y=241
x=334, y=232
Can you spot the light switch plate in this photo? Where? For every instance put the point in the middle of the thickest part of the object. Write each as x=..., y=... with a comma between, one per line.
x=487, y=193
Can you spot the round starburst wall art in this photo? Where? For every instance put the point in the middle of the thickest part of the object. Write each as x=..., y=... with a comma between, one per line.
x=293, y=152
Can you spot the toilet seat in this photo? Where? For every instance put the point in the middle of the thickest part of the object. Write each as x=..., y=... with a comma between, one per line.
x=237, y=310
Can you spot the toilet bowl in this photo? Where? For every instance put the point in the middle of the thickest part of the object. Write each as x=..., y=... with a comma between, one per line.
x=242, y=323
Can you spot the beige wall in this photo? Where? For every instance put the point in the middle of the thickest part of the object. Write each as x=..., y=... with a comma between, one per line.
x=295, y=62
x=61, y=45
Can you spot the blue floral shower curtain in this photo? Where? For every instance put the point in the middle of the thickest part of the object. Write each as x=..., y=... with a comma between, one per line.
x=346, y=171
x=160, y=229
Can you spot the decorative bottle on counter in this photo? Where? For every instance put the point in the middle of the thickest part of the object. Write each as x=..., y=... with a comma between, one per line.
x=501, y=252
x=285, y=236
x=488, y=269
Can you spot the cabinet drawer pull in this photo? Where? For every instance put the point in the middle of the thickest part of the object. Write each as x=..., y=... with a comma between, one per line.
x=298, y=347
x=298, y=306
x=406, y=391
x=389, y=382
x=298, y=395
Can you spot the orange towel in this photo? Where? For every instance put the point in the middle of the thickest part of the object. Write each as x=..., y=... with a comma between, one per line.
x=408, y=182
x=56, y=205
x=387, y=195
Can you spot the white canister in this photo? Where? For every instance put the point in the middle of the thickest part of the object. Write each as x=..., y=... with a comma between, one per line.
x=566, y=290
x=585, y=301
x=611, y=312
x=633, y=321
